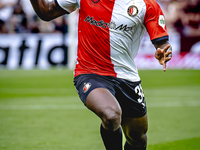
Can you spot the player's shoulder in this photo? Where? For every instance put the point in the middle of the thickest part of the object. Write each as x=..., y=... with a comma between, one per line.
x=152, y=8
x=151, y=4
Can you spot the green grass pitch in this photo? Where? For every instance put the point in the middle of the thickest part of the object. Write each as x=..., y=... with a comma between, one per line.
x=40, y=110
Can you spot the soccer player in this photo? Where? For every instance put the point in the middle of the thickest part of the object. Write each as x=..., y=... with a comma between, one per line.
x=105, y=76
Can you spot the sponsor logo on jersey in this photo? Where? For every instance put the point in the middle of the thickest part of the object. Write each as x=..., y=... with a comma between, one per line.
x=132, y=11
x=86, y=87
x=161, y=21
x=110, y=25
x=100, y=23
x=95, y=1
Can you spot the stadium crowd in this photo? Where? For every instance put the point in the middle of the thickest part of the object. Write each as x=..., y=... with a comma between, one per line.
x=17, y=16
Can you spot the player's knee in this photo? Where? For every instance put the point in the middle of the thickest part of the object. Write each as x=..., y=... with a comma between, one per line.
x=137, y=140
x=111, y=118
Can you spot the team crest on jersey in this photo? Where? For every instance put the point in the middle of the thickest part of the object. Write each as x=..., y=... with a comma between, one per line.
x=86, y=87
x=95, y=1
x=132, y=11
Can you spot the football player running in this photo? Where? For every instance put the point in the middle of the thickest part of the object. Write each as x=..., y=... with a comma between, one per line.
x=105, y=76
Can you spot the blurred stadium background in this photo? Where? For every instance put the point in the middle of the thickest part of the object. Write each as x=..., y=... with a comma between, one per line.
x=40, y=109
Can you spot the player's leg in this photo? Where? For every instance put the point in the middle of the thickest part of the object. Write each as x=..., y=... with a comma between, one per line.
x=104, y=105
x=135, y=131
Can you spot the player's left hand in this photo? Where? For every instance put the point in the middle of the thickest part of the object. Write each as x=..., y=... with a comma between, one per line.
x=164, y=55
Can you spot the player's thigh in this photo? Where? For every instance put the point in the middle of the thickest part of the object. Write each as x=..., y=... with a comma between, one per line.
x=103, y=103
x=135, y=128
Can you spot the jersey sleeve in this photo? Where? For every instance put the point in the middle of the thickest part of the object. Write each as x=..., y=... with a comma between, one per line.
x=67, y=5
x=154, y=22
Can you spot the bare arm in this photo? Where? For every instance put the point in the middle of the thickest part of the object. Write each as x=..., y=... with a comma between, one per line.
x=47, y=10
x=163, y=53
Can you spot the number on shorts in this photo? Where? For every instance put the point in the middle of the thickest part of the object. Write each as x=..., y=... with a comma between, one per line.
x=139, y=91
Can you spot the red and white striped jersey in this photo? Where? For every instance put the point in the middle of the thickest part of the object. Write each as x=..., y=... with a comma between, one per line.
x=110, y=32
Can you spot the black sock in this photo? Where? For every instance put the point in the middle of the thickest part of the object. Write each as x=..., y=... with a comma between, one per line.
x=112, y=140
x=129, y=147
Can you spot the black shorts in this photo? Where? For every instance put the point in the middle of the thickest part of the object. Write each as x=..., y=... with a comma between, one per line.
x=129, y=94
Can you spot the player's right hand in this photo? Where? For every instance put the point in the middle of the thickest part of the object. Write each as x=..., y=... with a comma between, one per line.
x=164, y=55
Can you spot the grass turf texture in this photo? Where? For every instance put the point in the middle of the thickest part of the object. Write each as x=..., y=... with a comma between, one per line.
x=40, y=110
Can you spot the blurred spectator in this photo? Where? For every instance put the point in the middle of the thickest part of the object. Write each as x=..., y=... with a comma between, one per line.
x=34, y=24
x=2, y=27
x=46, y=27
x=5, y=12
x=187, y=23
x=18, y=21
x=58, y=25
x=61, y=25
x=188, y=18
